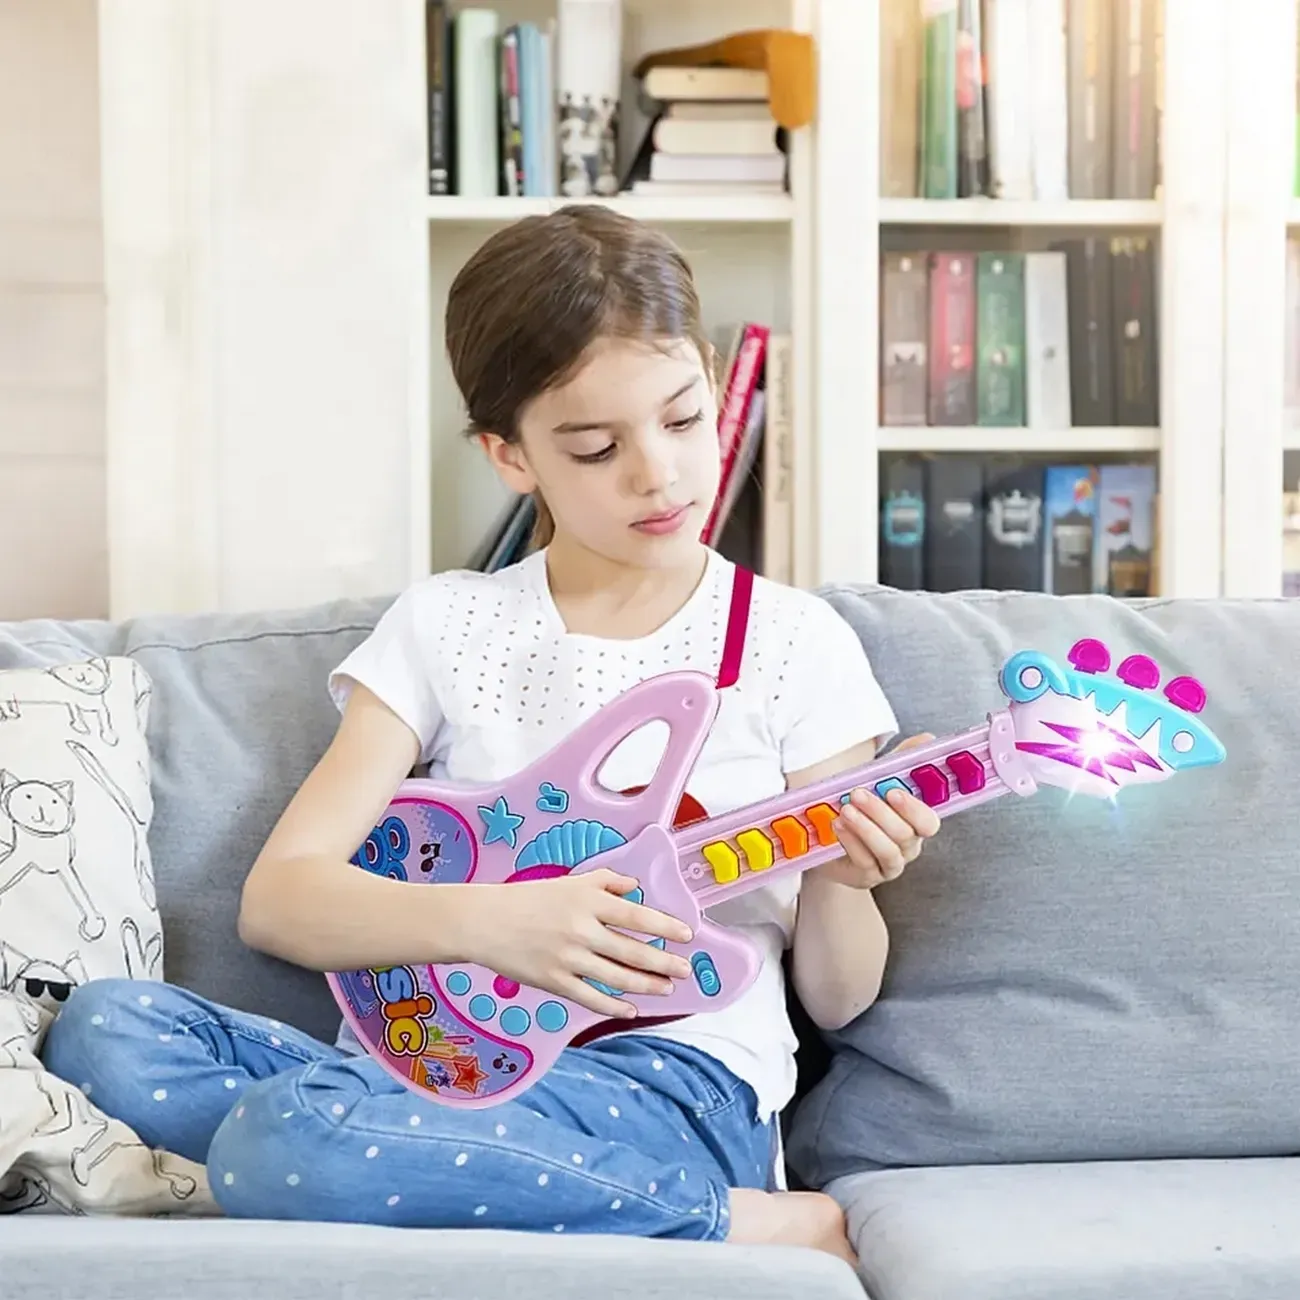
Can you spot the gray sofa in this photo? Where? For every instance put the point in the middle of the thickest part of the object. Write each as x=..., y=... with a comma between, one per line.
x=1080, y=1080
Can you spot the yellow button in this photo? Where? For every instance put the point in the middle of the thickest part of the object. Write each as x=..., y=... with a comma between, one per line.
x=757, y=849
x=724, y=860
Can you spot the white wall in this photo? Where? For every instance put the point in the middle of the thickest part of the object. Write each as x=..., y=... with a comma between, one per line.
x=53, y=541
x=266, y=257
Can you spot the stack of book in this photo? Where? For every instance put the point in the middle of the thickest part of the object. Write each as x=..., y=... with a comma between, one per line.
x=711, y=133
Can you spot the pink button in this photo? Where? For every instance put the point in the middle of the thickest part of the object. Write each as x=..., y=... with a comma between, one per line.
x=504, y=988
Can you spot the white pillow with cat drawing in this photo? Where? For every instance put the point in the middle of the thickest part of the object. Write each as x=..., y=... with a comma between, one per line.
x=76, y=881
x=76, y=903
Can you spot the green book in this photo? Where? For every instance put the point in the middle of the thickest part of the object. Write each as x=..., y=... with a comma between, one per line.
x=939, y=100
x=1000, y=339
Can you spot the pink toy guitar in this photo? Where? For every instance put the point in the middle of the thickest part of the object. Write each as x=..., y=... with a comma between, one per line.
x=468, y=1037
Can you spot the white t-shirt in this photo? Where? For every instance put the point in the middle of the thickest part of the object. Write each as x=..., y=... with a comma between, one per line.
x=482, y=669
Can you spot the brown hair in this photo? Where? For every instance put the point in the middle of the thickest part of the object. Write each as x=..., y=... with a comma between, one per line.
x=524, y=309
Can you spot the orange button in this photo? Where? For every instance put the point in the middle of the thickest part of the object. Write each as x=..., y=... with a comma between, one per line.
x=793, y=837
x=821, y=815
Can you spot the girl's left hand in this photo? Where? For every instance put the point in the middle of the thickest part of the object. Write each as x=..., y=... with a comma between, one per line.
x=881, y=836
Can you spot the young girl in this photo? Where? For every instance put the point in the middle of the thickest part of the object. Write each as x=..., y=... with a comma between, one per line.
x=575, y=340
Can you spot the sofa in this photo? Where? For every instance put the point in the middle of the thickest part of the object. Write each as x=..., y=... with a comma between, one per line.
x=1080, y=1080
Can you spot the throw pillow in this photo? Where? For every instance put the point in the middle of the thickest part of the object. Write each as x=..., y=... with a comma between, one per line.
x=76, y=882
x=77, y=903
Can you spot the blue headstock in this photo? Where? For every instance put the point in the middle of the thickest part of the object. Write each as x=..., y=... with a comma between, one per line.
x=1125, y=699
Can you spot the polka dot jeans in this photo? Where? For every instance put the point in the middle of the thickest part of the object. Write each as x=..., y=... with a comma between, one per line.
x=631, y=1135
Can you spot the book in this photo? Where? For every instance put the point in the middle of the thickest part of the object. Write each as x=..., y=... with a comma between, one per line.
x=1091, y=55
x=954, y=523
x=902, y=522
x=951, y=351
x=904, y=328
x=1047, y=341
x=1000, y=369
x=1070, y=512
x=1125, y=529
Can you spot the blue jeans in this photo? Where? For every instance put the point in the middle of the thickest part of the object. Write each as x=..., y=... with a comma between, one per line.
x=630, y=1135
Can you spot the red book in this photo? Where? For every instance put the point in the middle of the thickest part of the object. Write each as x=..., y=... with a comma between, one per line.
x=733, y=413
x=952, y=338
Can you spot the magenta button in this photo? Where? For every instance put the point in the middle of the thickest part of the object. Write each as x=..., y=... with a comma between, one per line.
x=504, y=988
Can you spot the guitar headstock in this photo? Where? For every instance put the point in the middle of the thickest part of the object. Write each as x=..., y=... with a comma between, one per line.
x=1091, y=731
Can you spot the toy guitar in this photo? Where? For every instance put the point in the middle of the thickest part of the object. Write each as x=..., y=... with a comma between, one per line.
x=468, y=1037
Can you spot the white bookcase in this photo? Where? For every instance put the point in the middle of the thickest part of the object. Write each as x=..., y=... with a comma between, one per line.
x=282, y=427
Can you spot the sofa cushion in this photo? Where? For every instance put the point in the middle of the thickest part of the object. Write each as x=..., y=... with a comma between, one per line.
x=1163, y=1230
x=1072, y=980
x=222, y=1258
x=239, y=713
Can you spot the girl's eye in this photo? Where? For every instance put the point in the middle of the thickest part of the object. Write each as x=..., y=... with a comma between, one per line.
x=680, y=426
x=592, y=458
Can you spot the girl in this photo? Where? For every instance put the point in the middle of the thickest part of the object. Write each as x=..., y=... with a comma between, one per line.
x=576, y=343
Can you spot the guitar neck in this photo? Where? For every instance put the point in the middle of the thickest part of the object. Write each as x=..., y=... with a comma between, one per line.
x=792, y=831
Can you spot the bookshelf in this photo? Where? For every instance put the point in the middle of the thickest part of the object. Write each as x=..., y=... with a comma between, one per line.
x=296, y=337
x=1184, y=217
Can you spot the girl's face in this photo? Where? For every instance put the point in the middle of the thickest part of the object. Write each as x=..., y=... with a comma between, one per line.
x=625, y=454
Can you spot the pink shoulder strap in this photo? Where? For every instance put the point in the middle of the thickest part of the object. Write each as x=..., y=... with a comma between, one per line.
x=733, y=644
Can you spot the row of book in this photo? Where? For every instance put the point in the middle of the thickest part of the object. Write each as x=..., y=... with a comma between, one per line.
x=533, y=109
x=523, y=108
x=956, y=522
x=1021, y=99
x=751, y=520
x=1049, y=339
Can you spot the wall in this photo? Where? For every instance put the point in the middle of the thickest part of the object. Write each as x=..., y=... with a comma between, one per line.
x=266, y=261
x=53, y=539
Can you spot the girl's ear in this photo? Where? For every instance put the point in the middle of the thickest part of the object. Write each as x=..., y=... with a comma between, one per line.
x=509, y=461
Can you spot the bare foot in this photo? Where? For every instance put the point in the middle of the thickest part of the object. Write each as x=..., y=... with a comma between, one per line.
x=810, y=1219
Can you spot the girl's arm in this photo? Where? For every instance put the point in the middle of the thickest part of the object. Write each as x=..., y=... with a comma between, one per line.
x=840, y=940
x=305, y=902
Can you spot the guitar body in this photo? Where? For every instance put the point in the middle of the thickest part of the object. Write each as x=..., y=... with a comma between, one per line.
x=467, y=1035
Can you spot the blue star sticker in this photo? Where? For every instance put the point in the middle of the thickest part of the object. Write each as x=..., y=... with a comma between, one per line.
x=499, y=823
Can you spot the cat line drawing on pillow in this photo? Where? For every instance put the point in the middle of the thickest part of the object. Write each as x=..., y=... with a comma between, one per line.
x=71, y=1112
x=135, y=819
x=81, y=689
x=40, y=815
x=48, y=984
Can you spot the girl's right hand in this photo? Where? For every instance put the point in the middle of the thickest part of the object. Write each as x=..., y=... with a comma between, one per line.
x=555, y=934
